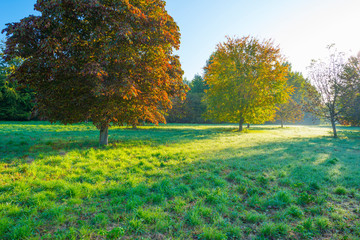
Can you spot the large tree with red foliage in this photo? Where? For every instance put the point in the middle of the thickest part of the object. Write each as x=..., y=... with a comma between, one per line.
x=110, y=61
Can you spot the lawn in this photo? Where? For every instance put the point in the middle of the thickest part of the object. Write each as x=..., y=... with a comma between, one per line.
x=178, y=182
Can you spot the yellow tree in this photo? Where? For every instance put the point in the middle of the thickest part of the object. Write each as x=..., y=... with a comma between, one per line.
x=246, y=79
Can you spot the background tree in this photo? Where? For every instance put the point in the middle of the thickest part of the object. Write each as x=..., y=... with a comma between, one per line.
x=292, y=111
x=350, y=92
x=15, y=103
x=326, y=77
x=108, y=61
x=289, y=112
x=192, y=109
x=179, y=109
x=194, y=100
x=246, y=79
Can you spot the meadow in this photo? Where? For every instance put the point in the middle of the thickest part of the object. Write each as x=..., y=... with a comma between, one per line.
x=178, y=182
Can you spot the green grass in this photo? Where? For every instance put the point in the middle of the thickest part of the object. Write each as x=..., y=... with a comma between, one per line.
x=178, y=182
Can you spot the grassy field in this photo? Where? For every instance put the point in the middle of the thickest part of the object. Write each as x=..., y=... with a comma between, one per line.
x=178, y=182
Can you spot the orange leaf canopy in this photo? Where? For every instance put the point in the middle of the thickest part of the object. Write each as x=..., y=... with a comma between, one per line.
x=110, y=61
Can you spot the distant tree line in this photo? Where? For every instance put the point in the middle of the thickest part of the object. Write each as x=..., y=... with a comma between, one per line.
x=329, y=95
x=303, y=105
x=115, y=64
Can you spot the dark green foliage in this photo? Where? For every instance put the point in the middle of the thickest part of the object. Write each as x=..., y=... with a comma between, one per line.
x=16, y=102
x=190, y=110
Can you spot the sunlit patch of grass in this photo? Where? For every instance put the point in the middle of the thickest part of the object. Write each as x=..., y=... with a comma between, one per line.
x=178, y=182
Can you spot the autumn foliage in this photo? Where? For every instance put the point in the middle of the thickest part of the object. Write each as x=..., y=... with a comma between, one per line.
x=246, y=79
x=109, y=61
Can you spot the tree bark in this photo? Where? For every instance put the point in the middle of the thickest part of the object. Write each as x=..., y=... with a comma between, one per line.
x=333, y=124
x=282, y=123
x=104, y=134
x=241, y=125
x=248, y=126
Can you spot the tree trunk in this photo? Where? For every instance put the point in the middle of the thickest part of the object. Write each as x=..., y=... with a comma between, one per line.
x=248, y=126
x=104, y=134
x=282, y=123
x=333, y=126
x=241, y=125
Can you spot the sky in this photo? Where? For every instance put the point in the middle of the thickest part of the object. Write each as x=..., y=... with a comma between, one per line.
x=301, y=28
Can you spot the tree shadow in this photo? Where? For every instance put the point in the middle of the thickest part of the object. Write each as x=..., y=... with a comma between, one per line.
x=349, y=132
x=26, y=140
x=213, y=177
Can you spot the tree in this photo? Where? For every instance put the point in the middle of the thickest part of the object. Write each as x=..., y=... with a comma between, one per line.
x=326, y=77
x=350, y=92
x=109, y=61
x=190, y=110
x=15, y=103
x=246, y=79
x=178, y=111
x=289, y=112
x=292, y=111
x=196, y=106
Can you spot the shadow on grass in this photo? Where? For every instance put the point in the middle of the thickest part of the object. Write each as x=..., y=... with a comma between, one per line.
x=350, y=132
x=215, y=177
x=24, y=139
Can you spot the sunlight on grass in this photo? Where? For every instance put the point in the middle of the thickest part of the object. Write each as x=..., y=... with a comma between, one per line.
x=321, y=158
x=335, y=171
x=177, y=181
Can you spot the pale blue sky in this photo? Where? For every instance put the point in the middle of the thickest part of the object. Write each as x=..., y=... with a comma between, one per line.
x=302, y=28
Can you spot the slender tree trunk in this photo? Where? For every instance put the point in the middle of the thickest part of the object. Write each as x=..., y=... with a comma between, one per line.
x=241, y=125
x=282, y=123
x=333, y=124
x=104, y=134
x=248, y=126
